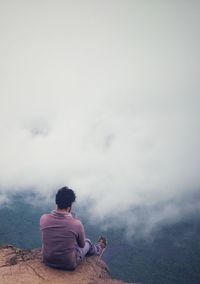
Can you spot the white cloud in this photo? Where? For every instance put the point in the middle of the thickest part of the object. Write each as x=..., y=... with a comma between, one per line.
x=102, y=96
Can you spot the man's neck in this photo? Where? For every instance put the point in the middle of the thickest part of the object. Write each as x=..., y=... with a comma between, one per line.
x=67, y=210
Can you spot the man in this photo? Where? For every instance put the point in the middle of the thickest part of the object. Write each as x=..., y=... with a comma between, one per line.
x=63, y=238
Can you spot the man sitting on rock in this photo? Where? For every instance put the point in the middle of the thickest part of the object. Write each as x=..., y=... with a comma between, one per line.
x=63, y=239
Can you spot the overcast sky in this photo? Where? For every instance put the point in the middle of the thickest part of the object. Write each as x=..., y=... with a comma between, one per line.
x=102, y=96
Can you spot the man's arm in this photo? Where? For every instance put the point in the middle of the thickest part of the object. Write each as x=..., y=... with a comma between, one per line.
x=42, y=219
x=81, y=236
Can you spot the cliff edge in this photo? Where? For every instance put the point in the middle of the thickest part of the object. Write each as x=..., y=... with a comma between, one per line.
x=19, y=266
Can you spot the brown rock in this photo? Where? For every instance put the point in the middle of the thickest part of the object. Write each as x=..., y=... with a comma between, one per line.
x=20, y=266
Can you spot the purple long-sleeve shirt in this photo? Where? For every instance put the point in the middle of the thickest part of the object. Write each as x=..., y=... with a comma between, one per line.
x=61, y=233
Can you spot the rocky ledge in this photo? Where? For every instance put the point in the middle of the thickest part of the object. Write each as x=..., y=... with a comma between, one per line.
x=19, y=266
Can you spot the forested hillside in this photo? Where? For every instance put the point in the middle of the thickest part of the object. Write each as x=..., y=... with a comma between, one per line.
x=172, y=255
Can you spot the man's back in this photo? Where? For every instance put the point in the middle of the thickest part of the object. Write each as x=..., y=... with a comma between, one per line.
x=61, y=233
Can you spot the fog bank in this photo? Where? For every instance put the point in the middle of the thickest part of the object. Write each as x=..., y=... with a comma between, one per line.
x=102, y=96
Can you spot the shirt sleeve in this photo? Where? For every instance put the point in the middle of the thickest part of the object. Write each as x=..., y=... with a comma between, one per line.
x=81, y=236
x=41, y=222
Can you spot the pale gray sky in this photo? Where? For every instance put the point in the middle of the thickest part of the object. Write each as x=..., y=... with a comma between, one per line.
x=102, y=96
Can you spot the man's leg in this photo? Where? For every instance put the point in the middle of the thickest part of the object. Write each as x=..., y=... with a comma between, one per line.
x=81, y=252
x=86, y=248
x=91, y=249
x=94, y=249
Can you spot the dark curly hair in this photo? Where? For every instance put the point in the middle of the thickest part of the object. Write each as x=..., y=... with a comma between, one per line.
x=65, y=197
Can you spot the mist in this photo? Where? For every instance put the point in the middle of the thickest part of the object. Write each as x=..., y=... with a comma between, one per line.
x=103, y=96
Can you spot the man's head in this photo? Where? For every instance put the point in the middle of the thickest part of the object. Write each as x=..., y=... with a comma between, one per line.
x=65, y=197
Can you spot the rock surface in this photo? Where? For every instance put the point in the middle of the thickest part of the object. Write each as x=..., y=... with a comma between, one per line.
x=19, y=266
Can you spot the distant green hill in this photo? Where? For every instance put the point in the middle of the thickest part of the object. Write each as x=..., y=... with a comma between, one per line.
x=171, y=257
